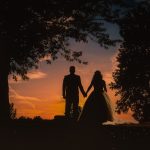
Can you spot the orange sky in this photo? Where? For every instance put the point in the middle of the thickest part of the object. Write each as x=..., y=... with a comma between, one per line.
x=42, y=94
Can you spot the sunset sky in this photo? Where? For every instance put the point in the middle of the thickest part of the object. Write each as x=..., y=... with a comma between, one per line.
x=42, y=94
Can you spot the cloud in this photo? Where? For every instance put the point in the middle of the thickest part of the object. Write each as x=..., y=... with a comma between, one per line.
x=33, y=106
x=36, y=75
x=33, y=75
x=22, y=101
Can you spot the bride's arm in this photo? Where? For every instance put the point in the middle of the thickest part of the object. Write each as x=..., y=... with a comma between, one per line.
x=105, y=88
x=90, y=86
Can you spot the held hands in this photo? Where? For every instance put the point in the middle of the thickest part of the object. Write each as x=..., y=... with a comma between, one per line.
x=64, y=96
x=85, y=94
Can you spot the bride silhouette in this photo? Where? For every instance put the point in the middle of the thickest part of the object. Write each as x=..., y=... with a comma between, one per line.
x=97, y=107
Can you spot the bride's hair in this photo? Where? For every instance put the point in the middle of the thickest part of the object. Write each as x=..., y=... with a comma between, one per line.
x=97, y=76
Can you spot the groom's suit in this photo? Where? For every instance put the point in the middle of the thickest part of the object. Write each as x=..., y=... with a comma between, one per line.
x=71, y=86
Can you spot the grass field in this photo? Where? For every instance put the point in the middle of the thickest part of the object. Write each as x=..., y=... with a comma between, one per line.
x=64, y=135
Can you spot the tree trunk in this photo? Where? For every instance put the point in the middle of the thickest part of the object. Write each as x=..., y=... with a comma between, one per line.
x=4, y=87
x=4, y=96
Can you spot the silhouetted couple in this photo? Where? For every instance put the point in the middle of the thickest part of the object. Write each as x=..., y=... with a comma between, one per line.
x=96, y=108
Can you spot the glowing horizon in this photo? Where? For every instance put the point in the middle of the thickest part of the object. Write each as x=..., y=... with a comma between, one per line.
x=42, y=94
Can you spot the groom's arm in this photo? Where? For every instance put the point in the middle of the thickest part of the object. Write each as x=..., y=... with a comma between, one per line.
x=64, y=88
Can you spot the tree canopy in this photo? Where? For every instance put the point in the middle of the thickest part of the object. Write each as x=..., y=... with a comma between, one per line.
x=30, y=30
x=132, y=76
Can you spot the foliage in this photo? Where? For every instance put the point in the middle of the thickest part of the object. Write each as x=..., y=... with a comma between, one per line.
x=12, y=111
x=37, y=118
x=132, y=76
x=31, y=30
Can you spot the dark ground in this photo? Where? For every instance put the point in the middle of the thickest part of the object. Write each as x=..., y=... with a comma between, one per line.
x=61, y=135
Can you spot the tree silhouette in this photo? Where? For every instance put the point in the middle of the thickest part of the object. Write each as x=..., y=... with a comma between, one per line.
x=12, y=111
x=132, y=76
x=31, y=30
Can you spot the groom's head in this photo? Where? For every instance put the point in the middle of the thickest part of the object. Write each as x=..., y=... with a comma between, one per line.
x=72, y=69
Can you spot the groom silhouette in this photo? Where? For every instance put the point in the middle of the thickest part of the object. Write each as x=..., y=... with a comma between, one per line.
x=71, y=86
